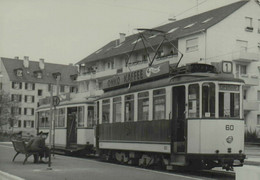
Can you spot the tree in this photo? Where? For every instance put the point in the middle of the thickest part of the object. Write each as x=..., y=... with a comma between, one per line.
x=9, y=110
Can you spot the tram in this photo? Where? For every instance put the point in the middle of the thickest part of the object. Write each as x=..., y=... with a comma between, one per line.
x=73, y=130
x=191, y=116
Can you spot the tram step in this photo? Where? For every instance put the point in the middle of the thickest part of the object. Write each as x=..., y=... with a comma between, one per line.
x=179, y=163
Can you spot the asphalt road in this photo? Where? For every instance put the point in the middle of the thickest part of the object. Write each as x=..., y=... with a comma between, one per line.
x=71, y=168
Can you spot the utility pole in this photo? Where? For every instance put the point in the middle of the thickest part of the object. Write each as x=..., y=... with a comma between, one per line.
x=55, y=110
x=50, y=130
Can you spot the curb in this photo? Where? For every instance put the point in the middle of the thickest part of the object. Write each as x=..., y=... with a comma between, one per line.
x=252, y=163
x=7, y=176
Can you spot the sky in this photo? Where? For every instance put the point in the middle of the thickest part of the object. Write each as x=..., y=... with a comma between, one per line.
x=66, y=31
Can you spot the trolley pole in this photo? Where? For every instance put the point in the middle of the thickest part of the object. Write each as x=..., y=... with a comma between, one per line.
x=55, y=111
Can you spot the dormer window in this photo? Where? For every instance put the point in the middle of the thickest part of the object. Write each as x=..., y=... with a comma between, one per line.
x=38, y=74
x=18, y=72
x=249, y=25
x=172, y=30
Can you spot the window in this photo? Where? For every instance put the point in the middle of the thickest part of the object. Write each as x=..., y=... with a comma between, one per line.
x=258, y=95
x=258, y=26
x=44, y=119
x=49, y=87
x=208, y=100
x=29, y=99
x=17, y=85
x=16, y=97
x=159, y=104
x=62, y=88
x=19, y=72
x=28, y=124
x=194, y=101
x=61, y=117
x=244, y=93
x=39, y=92
x=73, y=89
x=249, y=25
x=19, y=123
x=129, y=108
x=80, y=116
x=241, y=69
x=1, y=85
x=106, y=111
x=29, y=86
x=117, y=104
x=192, y=44
x=29, y=111
x=91, y=120
x=39, y=75
x=229, y=102
x=258, y=120
x=143, y=106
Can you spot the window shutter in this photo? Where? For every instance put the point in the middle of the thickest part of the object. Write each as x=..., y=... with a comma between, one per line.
x=13, y=85
x=24, y=123
x=19, y=123
x=32, y=111
x=21, y=85
x=26, y=85
x=25, y=111
x=20, y=111
x=12, y=97
x=33, y=86
x=33, y=99
x=32, y=124
x=25, y=98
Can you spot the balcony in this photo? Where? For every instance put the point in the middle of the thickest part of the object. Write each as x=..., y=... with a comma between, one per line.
x=95, y=75
x=250, y=79
x=251, y=105
x=133, y=66
x=245, y=57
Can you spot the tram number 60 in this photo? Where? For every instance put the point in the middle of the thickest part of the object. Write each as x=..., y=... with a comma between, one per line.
x=230, y=127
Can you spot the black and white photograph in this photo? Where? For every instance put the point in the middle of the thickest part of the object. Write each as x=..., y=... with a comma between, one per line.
x=129, y=89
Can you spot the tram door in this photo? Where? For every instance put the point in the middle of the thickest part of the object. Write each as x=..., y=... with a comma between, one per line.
x=71, y=126
x=178, y=119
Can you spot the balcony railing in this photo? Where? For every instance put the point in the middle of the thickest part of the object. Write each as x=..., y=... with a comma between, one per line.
x=251, y=105
x=250, y=79
x=245, y=56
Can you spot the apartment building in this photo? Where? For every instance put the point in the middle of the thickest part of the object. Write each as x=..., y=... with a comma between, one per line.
x=229, y=33
x=29, y=81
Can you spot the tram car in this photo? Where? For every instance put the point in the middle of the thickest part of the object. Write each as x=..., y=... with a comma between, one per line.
x=191, y=116
x=73, y=131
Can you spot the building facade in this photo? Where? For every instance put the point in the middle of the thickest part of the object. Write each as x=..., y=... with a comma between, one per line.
x=29, y=81
x=229, y=33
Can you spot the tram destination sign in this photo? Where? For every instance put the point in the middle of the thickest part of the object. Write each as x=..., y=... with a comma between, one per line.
x=138, y=75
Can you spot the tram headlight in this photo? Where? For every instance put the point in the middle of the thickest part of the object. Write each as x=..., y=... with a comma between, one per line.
x=229, y=139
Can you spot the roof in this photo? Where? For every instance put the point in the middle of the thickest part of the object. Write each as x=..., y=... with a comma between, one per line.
x=47, y=78
x=175, y=30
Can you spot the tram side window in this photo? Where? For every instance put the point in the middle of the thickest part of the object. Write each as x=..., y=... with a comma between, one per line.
x=129, y=108
x=194, y=101
x=91, y=120
x=208, y=100
x=44, y=119
x=80, y=116
x=106, y=111
x=117, y=104
x=159, y=104
x=61, y=117
x=143, y=106
x=229, y=104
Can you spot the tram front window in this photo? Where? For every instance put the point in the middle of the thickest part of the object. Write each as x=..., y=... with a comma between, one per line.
x=229, y=104
x=208, y=100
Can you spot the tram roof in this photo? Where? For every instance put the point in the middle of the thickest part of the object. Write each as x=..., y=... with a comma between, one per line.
x=174, y=80
x=68, y=103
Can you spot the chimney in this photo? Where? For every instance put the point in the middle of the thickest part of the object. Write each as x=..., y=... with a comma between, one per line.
x=41, y=64
x=26, y=62
x=16, y=57
x=122, y=37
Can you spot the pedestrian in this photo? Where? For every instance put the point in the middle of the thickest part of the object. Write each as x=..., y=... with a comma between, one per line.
x=37, y=144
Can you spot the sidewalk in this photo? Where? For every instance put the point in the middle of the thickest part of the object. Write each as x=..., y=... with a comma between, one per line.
x=252, y=155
